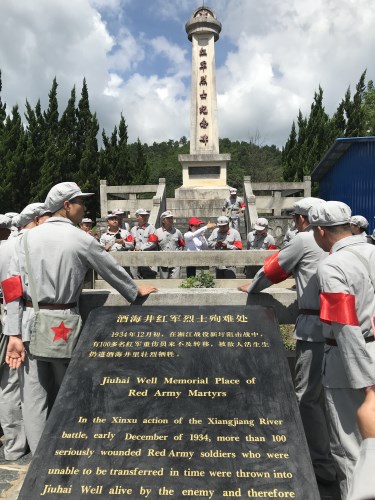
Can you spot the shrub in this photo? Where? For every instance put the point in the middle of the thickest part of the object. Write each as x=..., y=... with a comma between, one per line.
x=202, y=280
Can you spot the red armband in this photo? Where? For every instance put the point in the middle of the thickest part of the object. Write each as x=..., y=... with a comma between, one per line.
x=129, y=238
x=272, y=247
x=243, y=205
x=338, y=308
x=181, y=243
x=152, y=238
x=272, y=269
x=238, y=244
x=12, y=288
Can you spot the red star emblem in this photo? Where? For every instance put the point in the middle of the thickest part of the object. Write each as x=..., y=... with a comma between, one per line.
x=61, y=332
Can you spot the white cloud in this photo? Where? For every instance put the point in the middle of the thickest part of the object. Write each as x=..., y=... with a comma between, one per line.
x=279, y=52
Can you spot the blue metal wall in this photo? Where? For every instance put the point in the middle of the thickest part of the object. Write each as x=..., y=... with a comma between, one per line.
x=352, y=180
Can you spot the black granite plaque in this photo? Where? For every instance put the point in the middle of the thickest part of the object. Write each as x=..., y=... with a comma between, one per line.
x=187, y=403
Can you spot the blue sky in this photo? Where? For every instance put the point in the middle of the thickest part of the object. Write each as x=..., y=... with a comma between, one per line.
x=271, y=57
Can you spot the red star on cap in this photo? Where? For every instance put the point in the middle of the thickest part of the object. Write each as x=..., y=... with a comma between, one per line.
x=61, y=332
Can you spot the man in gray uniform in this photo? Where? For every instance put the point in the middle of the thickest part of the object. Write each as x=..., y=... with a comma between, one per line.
x=15, y=444
x=170, y=239
x=145, y=241
x=223, y=238
x=60, y=254
x=347, y=307
x=300, y=257
x=233, y=207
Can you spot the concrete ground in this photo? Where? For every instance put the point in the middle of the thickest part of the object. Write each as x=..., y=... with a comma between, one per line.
x=12, y=475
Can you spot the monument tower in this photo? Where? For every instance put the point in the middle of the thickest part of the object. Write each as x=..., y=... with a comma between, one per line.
x=204, y=170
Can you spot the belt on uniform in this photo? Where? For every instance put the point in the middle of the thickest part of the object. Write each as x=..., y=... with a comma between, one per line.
x=43, y=305
x=309, y=312
x=334, y=343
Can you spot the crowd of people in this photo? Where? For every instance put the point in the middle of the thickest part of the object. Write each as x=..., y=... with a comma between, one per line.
x=326, y=251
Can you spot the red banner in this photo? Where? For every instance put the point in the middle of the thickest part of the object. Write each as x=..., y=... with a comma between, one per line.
x=12, y=288
x=272, y=269
x=338, y=308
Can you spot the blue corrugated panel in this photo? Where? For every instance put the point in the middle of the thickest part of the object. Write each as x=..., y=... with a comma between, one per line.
x=352, y=180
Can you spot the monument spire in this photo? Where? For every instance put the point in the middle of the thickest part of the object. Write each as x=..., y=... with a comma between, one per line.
x=203, y=30
x=204, y=170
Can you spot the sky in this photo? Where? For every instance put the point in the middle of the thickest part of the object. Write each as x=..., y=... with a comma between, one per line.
x=271, y=57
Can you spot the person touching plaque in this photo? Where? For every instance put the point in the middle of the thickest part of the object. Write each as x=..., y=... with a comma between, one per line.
x=46, y=273
x=300, y=258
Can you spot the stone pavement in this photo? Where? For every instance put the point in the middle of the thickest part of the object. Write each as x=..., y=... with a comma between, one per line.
x=12, y=475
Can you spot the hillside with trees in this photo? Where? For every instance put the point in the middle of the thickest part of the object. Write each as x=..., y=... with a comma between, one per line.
x=45, y=147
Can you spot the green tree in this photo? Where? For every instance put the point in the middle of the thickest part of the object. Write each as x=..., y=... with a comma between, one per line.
x=68, y=139
x=354, y=109
x=12, y=148
x=369, y=108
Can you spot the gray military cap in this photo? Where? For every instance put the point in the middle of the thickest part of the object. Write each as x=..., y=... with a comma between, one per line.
x=5, y=222
x=222, y=220
x=360, y=221
x=166, y=214
x=12, y=214
x=330, y=213
x=303, y=206
x=29, y=213
x=65, y=191
x=142, y=211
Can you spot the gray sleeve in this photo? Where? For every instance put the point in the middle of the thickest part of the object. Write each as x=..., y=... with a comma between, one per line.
x=260, y=282
x=363, y=485
x=212, y=240
x=111, y=271
x=13, y=325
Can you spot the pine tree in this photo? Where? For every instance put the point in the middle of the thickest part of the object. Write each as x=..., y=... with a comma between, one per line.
x=122, y=168
x=140, y=168
x=369, y=108
x=12, y=149
x=50, y=169
x=68, y=139
x=289, y=153
x=356, y=126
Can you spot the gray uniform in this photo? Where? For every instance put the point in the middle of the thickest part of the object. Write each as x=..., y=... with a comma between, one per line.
x=259, y=241
x=232, y=207
x=145, y=241
x=347, y=306
x=169, y=241
x=363, y=484
x=60, y=255
x=300, y=257
x=233, y=239
x=110, y=237
x=15, y=443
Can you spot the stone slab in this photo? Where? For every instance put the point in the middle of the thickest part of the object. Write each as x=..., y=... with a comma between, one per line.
x=183, y=403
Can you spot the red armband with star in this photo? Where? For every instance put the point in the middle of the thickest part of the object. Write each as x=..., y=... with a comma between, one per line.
x=12, y=288
x=272, y=269
x=338, y=308
x=152, y=238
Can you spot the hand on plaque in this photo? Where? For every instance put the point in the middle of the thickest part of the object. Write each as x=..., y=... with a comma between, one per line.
x=145, y=290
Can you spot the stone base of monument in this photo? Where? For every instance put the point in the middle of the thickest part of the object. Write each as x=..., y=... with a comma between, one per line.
x=183, y=403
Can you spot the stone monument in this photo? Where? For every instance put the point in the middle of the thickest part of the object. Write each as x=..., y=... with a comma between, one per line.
x=204, y=170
